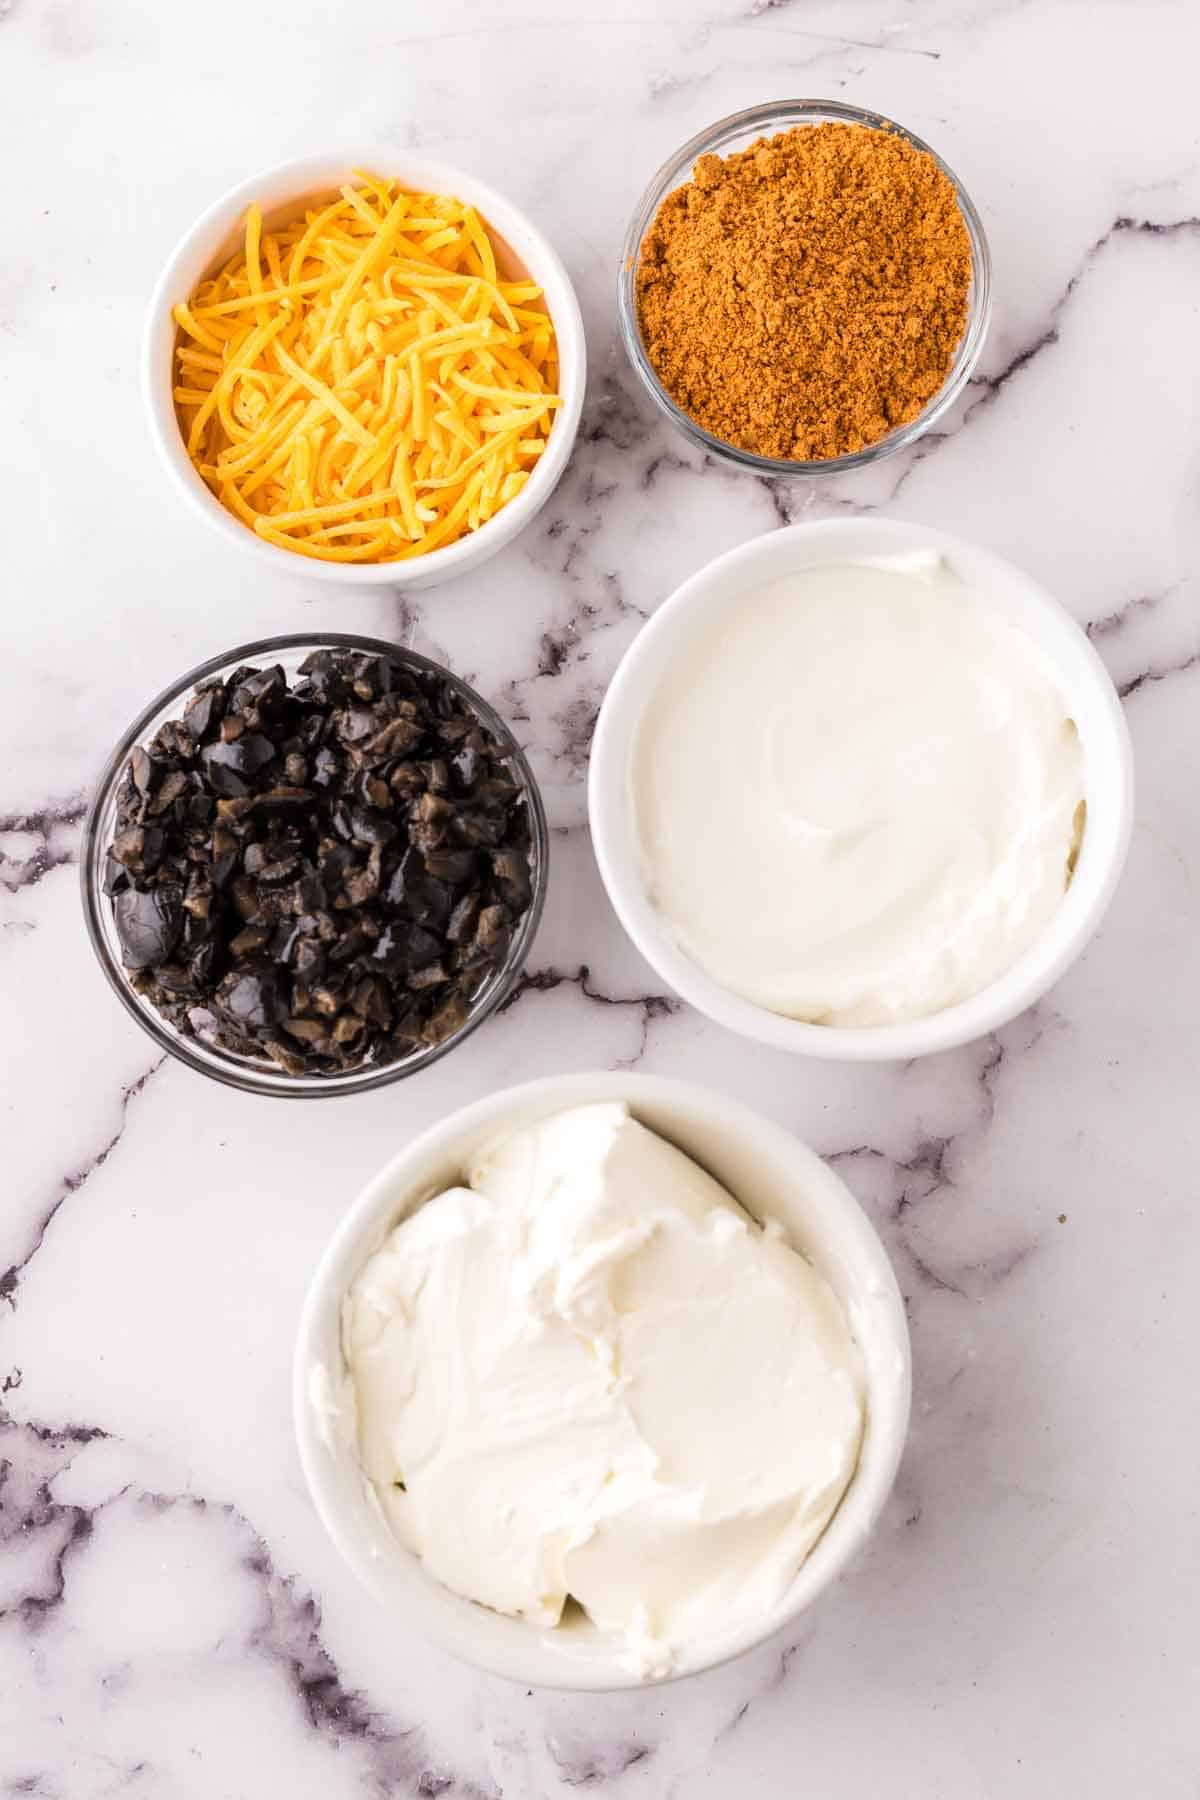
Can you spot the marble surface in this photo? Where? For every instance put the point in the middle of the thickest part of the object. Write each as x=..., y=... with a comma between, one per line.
x=173, y=1621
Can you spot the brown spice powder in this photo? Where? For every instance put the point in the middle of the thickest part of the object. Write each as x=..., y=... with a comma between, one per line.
x=803, y=297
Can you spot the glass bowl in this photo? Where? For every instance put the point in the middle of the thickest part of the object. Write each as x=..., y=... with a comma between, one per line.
x=737, y=132
x=260, y=1075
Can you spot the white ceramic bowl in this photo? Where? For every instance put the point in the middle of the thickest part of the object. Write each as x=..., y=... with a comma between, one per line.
x=281, y=191
x=1091, y=700
x=772, y=1174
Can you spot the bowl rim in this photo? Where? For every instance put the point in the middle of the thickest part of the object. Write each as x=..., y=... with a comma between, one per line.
x=1105, y=842
x=197, y=249
x=782, y=113
x=447, y=1618
x=219, y=1065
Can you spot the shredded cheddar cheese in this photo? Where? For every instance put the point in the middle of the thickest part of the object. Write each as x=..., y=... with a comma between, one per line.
x=364, y=385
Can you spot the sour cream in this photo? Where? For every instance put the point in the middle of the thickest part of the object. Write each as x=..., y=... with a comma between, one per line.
x=589, y=1375
x=859, y=795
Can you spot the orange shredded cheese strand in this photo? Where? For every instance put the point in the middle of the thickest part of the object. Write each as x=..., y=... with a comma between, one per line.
x=253, y=264
x=364, y=383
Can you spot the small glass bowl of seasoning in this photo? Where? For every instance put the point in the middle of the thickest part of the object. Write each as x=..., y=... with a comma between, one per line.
x=798, y=298
x=313, y=865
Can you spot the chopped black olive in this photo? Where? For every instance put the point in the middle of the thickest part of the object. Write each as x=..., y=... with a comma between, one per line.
x=231, y=767
x=115, y=877
x=149, y=923
x=255, y=998
x=322, y=873
x=455, y=866
x=464, y=919
x=203, y=711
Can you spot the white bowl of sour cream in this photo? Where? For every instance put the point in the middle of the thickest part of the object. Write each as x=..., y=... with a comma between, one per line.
x=860, y=790
x=431, y=1371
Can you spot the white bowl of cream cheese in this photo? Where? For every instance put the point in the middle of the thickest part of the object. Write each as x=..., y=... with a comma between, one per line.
x=860, y=790
x=515, y=1381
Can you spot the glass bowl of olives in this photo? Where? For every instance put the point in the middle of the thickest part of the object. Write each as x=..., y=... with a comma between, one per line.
x=313, y=865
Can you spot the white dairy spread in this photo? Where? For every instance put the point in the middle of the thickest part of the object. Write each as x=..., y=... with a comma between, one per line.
x=598, y=1379
x=858, y=795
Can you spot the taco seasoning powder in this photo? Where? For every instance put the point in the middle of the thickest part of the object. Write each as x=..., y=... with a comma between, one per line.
x=803, y=297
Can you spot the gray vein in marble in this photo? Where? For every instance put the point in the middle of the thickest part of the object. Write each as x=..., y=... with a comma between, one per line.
x=568, y=643
x=1165, y=183
x=986, y=389
x=829, y=48
x=774, y=1681
x=31, y=1456
x=1114, y=622
x=590, y=1767
x=411, y=632
x=614, y=415
x=993, y=385
x=408, y=621
x=556, y=647
x=769, y=1685
x=663, y=82
x=72, y=1182
x=761, y=8
x=917, y=1176
x=665, y=459
x=924, y=1170
x=565, y=545
x=546, y=981
x=289, y=1635
x=773, y=488
x=1151, y=227
x=1156, y=673
x=562, y=539
x=1109, y=630
x=287, y=1632
x=576, y=723
x=969, y=1280
x=932, y=1167
x=929, y=1276
x=43, y=825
